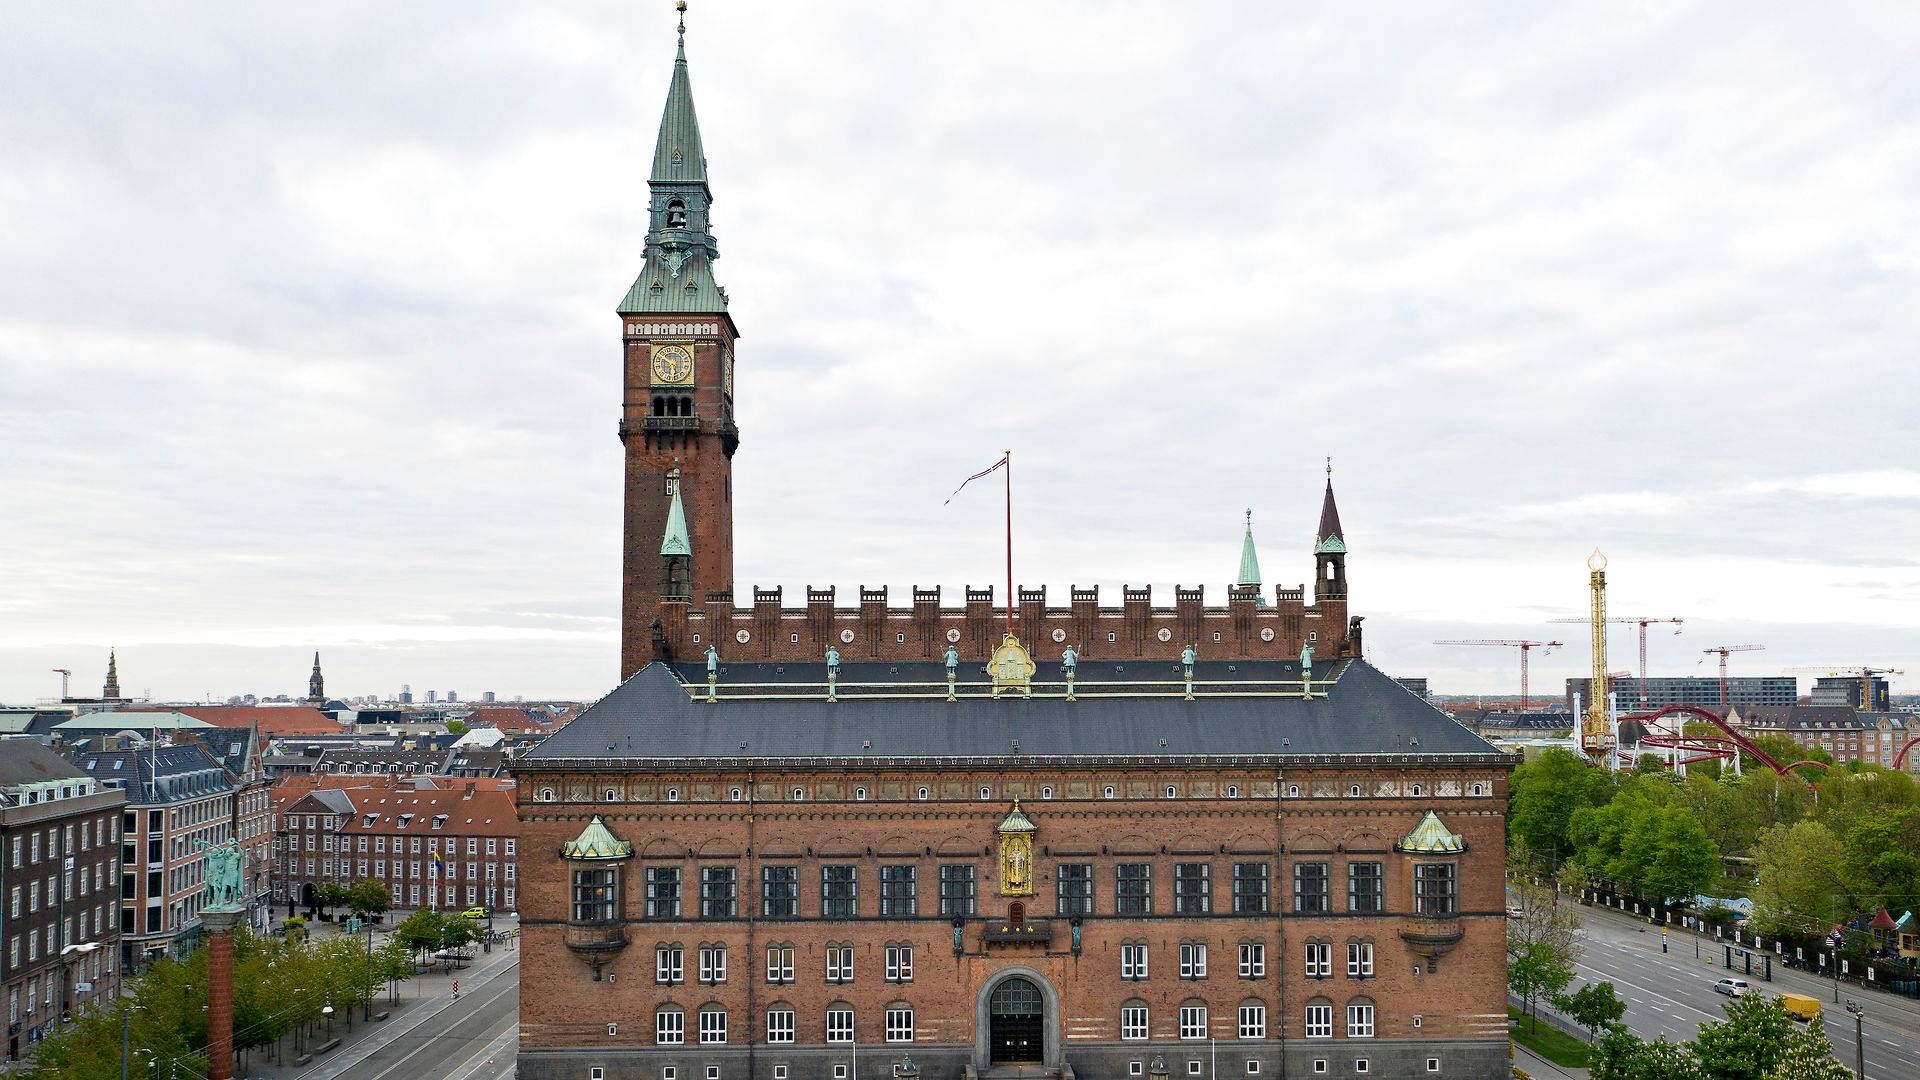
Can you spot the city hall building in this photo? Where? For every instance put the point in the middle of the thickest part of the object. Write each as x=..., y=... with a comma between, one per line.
x=835, y=842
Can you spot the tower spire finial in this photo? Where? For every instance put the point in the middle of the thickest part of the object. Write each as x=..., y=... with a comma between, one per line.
x=681, y=7
x=1329, y=467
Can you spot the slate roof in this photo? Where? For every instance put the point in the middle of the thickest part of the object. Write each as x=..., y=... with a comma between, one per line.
x=651, y=718
x=158, y=775
x=26, y=761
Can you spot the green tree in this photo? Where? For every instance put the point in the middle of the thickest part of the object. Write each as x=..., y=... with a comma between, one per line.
x=369, y=899
x=1541, y=948
x=296, y=928
x=457, y=727
x=1622, y=1055
x=1800, y=878
x=1809, y=1056
x=1593, y=1006
x=1545, y=792
x=332, y=894
x=421, y=931
x=1749, y=1043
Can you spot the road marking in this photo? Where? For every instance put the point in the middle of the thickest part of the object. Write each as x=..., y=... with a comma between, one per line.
x=488, y=1052
x=366, y=1048
x=427, y=1044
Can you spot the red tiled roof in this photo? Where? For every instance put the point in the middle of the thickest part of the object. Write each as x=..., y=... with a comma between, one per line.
x=466, y=807
x=277, y=721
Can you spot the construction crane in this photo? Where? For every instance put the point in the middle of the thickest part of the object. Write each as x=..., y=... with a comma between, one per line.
x=1866, y=675
x=65, y=676
x=1722, y=651
x=1525, y=647
x=1642, y=621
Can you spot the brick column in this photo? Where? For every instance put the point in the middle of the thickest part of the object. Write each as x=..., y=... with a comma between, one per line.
x=220, y=925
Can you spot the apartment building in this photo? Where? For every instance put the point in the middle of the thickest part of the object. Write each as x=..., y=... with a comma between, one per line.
x=448, y=847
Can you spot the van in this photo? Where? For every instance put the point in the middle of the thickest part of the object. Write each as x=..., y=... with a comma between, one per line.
x=1801, y=1007
x=477, y=914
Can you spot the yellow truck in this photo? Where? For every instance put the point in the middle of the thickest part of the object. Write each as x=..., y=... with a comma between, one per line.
x=1801, y=1007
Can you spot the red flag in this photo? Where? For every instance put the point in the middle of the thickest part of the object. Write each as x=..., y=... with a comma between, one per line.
x=996, y=466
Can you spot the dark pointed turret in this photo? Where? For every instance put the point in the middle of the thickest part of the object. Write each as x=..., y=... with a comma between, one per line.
x=316, y=685
x=111, y=691
x=1329, y=550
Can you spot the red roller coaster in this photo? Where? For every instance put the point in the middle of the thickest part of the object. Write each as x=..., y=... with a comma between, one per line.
x=1710, y=748
x=1900, y=759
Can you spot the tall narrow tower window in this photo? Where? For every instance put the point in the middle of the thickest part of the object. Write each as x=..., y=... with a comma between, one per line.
x=676, y=215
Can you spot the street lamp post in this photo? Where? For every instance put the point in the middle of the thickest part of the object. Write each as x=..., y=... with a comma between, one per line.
x=367, y=1014
x=327, y=1011
x=1859, y=1043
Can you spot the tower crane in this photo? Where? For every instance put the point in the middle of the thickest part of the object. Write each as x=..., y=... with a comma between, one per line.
x=1525, y=647
x=65, y=676
x=1722, y=651
x=1866, y=675
x=1643, y=621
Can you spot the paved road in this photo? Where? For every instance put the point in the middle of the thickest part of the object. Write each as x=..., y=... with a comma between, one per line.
x=1671, y=993
x=469, y=1039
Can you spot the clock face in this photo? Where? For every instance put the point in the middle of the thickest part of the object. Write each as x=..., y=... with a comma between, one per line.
x=672, y=364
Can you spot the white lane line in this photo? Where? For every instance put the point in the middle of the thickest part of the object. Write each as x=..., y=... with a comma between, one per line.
x=487, y=1053
x=433, y=1037
x=366, y=1048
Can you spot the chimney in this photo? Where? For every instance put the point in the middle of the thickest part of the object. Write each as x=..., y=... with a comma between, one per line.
x=469, y=791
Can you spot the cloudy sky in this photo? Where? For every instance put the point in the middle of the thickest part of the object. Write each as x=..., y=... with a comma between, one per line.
x=307, y=335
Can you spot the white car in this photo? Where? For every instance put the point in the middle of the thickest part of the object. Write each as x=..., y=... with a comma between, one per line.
x=1732, y=987
x=1516, y=912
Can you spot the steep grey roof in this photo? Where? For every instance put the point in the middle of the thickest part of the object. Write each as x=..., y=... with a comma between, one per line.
x=651, y=717
x=26, y=761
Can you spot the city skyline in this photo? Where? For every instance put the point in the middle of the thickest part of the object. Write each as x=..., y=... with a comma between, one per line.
x=359, y=342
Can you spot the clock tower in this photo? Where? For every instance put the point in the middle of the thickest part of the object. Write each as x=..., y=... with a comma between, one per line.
x=676, y=417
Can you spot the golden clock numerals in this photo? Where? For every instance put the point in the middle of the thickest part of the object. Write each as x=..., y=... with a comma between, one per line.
x=672, y=364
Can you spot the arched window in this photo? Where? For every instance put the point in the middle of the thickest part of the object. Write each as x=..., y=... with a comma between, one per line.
x=669, y=1026
x=1252, y=1019
x=713, y=1024
x=899, y=1018
x=1133, y=1021
x=1360, y=1018
x=1193, y=1019
x=676, y=215
x=1319, y=1019
x=780, y=1022
x=546, y=795
x=610, y=795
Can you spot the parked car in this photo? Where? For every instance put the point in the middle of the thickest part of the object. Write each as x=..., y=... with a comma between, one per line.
x=1515, y=911
x=476, y=913
x=1732, y=987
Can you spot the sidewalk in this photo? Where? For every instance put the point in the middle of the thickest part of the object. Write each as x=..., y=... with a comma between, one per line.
x=419, y=999
x=1540, y=1068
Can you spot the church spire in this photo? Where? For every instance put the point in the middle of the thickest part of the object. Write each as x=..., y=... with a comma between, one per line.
x=678, y=276
x=1329, y=540
x=111, y=691
x=316, y=684
x=1250, y=564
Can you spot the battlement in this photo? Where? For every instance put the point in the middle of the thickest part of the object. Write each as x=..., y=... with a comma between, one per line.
x=1248, y=626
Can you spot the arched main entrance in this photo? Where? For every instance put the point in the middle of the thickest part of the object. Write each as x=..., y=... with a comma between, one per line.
x=1016, y=1022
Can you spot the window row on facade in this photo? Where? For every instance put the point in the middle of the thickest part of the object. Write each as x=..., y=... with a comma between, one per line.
x=955, y=894
x=1192, y=1021
x=947, y=792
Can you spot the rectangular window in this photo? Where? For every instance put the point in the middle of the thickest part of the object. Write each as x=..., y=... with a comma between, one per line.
x=1319, y=960
x=899, y=1025
x=596, y=895
x=779, y=1025
x=1253, y=960
x=1363, y=887
x=1192, y=888
x=713, y=963
x=1193, y=960
x=1433, y=889
x=1320, y=1021
x=1073, y=884
x=897, y=891
x=1253, y=1021
x=1359, y=959
x=1360, y=1021
x=1193, y=1021
x=840, y=1025
x=839, y=963
x=670, y=1027
x=1133, y=961
x=1133, y=888
x=779, y=963
x=1250, y=888
x=718, y=892
x=1310, y=888
x=669, y=964
x=663, y=892
x=1133, y=1022
x=713, y=1026
x=956, y=890
x=779, y=892
x=839, y=892
x=900, y=963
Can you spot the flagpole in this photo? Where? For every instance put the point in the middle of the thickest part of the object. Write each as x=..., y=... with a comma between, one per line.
x=1010, y=596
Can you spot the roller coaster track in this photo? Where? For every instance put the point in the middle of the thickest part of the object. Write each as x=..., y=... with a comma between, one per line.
x=1900, y=759
x=1708, y=748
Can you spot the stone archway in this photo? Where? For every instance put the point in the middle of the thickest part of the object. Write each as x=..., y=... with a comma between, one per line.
x=1016, y=1021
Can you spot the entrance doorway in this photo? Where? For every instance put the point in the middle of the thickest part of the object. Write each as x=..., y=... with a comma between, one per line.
x=1016, y=1029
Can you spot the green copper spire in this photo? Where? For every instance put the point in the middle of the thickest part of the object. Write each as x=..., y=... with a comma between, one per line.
x=1250, y=563
x=678, y=275
x=675, y=542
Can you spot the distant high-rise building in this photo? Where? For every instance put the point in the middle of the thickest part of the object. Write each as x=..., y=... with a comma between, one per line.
x=1845, y=690
x=487, y=696
x=453, y=696
x=406, y=693
x=1699, y=691
x=1415, y=683
x=433, y=696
